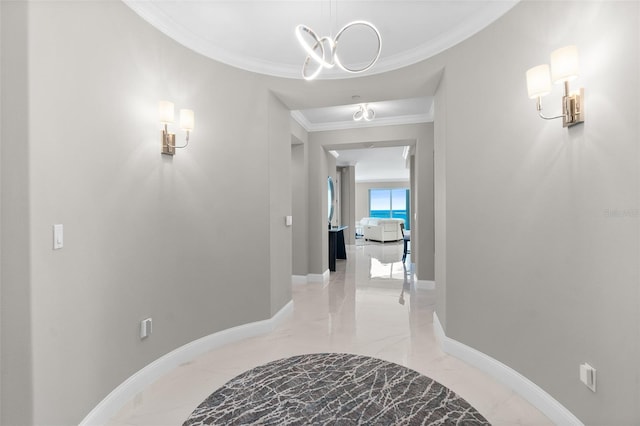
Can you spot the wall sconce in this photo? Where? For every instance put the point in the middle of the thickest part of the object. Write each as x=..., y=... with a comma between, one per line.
x=364, y=112
x=165, y=109
x=564, y=68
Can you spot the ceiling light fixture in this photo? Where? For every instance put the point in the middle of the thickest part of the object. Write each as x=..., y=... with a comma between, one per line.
x=364, y=112
x=324, y=50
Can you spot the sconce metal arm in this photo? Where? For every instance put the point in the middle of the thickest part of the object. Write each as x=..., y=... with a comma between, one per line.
x=169, y=142
x=539, y=108
x=168, y=137
x=186, y=143
x=572, y=107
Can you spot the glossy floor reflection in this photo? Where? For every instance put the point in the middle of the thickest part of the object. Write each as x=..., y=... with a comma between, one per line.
x=370, y=306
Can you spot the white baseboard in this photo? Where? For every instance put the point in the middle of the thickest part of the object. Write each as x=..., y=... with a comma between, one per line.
x=113, y=403
x=299, y=279
x=528, y=390
x=319, y=278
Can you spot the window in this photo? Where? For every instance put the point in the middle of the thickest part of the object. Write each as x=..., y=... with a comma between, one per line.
x=390, y=203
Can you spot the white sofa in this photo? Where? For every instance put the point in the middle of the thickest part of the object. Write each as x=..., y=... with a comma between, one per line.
x=382, y=230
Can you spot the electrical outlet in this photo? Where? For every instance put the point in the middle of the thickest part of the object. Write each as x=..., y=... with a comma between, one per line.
x=146, y=327
x=588, y=376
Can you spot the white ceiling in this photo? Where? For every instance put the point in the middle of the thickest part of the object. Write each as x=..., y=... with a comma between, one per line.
x=258, y=36
x=375, y=164
x=401, y=111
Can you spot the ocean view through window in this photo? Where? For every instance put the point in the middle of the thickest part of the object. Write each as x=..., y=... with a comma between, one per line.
x=390, y=204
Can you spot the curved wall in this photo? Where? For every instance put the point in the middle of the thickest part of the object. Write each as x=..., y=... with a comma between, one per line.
x=188, y=240
x=540, y=261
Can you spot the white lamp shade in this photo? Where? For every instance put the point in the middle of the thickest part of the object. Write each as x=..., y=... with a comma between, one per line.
x=564, y=64
x=186, y=119
x=165, y=110
x=538, y=81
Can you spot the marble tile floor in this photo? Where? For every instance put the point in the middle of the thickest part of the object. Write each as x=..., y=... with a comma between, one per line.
x=369, y=307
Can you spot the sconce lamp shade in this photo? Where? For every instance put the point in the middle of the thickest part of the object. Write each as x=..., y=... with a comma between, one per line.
x=538, y=81
x=186, y=119
x=165, y=110
x=564, y=64
x=564, y=68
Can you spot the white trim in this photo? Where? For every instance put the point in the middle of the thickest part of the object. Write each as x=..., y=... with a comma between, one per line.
x=399, y=180
x=528, y=390
x=299, y=279
x=319, y=278
x=135, y=384
x=378, y=122
x=425, y=284
x=397, y=120
x=301, y=119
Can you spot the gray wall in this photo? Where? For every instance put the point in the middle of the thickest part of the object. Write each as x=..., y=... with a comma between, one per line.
x=299, y=199
x=348, y=202
x=422, y=229
x=145, y=234
x=540, y=272
x=440, y=200
x=0, y=208
x=300, y=210
x=15, y=308
x=318, y=244
x=279, y=199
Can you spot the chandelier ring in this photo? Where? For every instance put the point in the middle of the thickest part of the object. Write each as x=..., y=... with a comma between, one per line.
x=319, y=42
x=336, y=58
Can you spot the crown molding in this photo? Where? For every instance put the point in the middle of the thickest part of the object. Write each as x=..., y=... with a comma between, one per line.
x=154, y=15
x=301, y=119
x=350, y=124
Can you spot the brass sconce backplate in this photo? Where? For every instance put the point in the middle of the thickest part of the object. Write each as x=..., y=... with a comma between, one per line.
x=574, y=109
x=168, y=143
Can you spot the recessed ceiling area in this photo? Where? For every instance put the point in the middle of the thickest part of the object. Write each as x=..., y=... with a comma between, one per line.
x=375, y=164
x=401, y=111
x=258, y=35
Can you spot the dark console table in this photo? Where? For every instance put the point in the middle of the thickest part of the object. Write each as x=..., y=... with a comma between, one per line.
x=336, y=246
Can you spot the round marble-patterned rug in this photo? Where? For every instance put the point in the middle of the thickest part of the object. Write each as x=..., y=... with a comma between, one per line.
x=333, y=389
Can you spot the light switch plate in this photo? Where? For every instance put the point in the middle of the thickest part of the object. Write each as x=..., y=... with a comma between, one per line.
x=146, y=327
x=288, y=220
x=58, y=237
x=588, y=376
